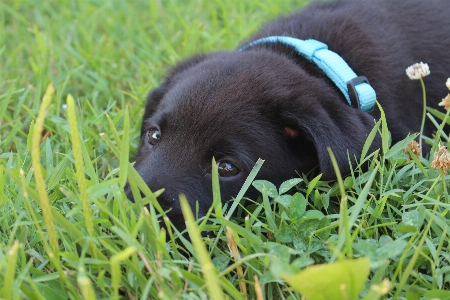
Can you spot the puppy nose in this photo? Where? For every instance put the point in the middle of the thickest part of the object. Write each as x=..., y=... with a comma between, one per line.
x=163, y=199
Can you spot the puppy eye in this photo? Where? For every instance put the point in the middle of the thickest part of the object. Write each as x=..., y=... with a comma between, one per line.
x=227, y=169
x=153, y=136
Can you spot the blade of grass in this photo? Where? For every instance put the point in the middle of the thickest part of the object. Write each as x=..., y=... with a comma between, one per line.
x=345, y=222
x=417, y=161
x=85, y=284
x=116, y=273
x=38, y=174
x=344, y=226
x=125, y=150
x=399, y=146
x=245, y=187
x=11, y=258
x=208, y=269
x=269, y=212
x=5, y=100
x=409, y=268
x=79, y=166
x=369, y=140
x=384, y=131
x=28, y=191
x=217, y=202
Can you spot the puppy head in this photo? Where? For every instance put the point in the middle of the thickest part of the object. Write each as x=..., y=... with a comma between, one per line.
x=238, y=107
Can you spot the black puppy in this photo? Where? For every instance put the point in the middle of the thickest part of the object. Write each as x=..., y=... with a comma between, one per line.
x=274, y=99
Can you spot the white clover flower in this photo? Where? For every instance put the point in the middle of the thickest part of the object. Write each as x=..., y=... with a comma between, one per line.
x=414, y=147
x=417, y=71
x=448, y=83
x=445, y=102
x=441, y=160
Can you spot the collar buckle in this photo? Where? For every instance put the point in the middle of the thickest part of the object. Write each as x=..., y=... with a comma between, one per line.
x=353, y=93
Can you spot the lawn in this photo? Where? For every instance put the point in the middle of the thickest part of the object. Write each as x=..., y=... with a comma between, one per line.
x=74, y=75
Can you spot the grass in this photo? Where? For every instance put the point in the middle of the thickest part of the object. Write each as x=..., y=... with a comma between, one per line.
x=68, y=231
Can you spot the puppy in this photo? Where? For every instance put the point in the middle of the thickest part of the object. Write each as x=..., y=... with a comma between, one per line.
x=272, y=100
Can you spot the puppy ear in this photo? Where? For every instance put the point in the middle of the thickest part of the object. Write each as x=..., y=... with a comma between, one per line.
x=344, y=130
x=173, y=76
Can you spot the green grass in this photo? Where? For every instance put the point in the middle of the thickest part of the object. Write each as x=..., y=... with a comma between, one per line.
x=68, y=231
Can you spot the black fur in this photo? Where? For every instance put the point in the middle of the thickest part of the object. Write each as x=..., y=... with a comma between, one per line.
x=267, y=102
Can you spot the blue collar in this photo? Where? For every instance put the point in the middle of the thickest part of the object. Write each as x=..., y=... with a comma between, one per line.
x=356, y=89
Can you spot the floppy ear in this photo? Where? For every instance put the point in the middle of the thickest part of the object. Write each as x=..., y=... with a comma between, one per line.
x=173, y=76
x=344, y=130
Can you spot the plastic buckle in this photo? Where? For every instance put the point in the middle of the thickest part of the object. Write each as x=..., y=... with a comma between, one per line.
x=353, y=94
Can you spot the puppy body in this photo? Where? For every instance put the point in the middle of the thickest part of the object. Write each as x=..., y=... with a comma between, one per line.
x=269, y=102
